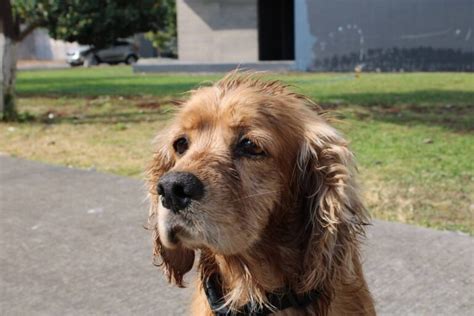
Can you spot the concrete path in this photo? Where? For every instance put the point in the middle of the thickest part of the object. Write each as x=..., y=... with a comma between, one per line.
x=72, y=243
x=174, y=65
x=26, y=65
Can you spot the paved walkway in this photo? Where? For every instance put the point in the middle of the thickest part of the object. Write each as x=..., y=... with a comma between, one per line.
x=175, y=65
x=72, y=242
x=42, y=65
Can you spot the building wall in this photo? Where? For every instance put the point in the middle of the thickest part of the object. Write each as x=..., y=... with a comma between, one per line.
x=38, y=45
x=217, y=30
x=387, y=35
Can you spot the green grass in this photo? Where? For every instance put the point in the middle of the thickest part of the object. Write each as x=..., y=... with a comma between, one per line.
x=412, y=132
x=444, y=99
x=369, y=89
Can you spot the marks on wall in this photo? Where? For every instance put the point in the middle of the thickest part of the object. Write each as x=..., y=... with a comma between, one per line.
x=386, y=35
x=400, y=59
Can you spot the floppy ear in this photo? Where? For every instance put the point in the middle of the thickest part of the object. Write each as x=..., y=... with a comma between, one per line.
x=334, y=213
x=178, y=261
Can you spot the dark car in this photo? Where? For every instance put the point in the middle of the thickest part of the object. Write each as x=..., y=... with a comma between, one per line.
x=120, y=51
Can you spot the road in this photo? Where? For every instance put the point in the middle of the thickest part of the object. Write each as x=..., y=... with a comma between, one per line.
x=72, y=243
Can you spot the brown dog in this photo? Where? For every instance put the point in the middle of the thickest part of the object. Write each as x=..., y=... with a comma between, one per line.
x=253, y=177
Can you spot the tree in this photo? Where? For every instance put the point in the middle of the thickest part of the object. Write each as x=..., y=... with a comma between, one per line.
x=165, y=38
x=88, y=22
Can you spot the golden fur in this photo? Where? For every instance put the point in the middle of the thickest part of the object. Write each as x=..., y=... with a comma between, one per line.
x=290, y=218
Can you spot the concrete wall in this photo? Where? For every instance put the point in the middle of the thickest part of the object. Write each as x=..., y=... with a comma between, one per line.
x=390, y=35
x=38, y=45
x=217, y=30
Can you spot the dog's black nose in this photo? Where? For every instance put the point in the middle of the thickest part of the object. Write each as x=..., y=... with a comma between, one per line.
x=178, y=189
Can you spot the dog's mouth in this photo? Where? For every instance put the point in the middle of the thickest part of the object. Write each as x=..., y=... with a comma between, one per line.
x=173, y=228
x=173, y=234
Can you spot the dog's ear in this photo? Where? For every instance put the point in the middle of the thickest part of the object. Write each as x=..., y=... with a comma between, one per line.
x=178, y=261
x=333, y=211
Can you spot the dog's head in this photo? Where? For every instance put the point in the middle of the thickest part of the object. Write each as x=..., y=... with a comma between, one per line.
x=238, y=154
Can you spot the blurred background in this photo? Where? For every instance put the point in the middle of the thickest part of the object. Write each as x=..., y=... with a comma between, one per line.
x=88, y=84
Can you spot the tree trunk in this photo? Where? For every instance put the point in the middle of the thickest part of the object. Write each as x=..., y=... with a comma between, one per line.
x=8, y=77
x=9, y=32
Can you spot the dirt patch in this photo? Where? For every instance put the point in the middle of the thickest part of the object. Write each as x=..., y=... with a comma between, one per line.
x=149, y=105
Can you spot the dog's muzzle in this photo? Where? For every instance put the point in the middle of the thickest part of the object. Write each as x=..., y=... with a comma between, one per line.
x=179, y=189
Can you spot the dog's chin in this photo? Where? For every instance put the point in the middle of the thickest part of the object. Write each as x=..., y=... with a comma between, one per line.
x=173, y=230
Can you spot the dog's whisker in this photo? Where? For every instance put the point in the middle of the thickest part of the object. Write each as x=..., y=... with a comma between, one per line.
x=256, y=194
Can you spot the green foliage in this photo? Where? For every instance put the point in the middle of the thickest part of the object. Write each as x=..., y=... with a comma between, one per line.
x=31, y=11
x=93, y=22
x=165, y=39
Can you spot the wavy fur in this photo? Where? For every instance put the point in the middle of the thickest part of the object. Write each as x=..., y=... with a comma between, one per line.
x=292, y=219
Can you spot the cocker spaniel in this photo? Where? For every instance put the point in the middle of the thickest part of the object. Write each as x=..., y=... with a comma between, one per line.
x=252, y=176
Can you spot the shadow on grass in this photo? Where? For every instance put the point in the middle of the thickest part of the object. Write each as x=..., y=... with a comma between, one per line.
x=113, y=118
x=420, y=98
x=452, y=110
x=52, y=117
x=119, y=86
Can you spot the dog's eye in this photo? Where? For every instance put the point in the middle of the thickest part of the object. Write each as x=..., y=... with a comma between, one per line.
x=181, y=145
x=248, y=148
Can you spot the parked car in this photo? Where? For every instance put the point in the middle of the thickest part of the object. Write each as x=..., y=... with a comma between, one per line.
x=120, y=51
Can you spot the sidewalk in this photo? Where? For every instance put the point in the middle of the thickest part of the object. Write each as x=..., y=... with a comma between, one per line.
x=41, y=65
x=72, y=242
x=168, y=65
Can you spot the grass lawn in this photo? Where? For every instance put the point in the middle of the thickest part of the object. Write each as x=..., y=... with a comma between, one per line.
x=412, y=132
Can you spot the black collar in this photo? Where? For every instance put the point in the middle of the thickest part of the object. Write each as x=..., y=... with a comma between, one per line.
x=280, y=301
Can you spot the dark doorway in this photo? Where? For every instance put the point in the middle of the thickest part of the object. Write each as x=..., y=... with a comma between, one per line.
x=276, y=39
